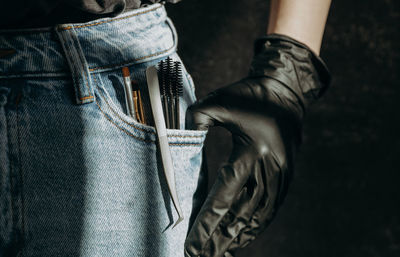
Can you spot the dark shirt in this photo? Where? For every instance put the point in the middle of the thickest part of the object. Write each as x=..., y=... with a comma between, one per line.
x=45, y=13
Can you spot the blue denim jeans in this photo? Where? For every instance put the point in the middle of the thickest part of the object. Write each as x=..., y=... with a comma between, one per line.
x=78, y=176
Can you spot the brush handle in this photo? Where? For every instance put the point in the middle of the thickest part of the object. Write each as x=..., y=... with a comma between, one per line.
x=177, y=117
x=165, y=110
x=172, y=112
x=129, y=98
x=141, y=108
x=178, y=91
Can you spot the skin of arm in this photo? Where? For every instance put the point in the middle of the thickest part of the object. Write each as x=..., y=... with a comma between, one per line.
x=303, y=20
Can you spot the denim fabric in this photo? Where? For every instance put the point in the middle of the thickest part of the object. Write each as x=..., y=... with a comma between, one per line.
x=78, y=176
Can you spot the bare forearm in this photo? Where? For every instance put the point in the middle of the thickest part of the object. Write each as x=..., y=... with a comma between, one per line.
x=303, y=20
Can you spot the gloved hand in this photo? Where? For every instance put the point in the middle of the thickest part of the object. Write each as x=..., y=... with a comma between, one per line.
x=264, y=113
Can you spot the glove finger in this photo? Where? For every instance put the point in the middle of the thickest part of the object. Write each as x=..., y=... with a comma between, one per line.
x=199, y=114
x=277, y=187
x=209, y=111
x=276, y=190
x=228, y=254
x=251, y=231
x=251, y=194
x=229, y=182
x=245, y=237
x=239, y=214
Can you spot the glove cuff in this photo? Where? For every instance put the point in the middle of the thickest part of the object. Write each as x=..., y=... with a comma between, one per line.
x=293, y=64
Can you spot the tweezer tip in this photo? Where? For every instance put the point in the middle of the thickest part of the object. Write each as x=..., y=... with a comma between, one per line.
x=178, y=221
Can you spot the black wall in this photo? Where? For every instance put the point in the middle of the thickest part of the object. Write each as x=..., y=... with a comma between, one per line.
x=344, y=200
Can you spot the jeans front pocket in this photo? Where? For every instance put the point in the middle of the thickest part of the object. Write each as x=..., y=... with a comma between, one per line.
x=129, y=211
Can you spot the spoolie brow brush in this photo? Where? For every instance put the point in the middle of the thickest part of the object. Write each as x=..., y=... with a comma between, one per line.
x=170, y=88
x=178, y=91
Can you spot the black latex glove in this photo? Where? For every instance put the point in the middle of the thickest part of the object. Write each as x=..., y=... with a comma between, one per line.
x=264, y=113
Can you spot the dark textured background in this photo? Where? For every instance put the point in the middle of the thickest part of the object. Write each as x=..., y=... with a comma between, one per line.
x=344, y=200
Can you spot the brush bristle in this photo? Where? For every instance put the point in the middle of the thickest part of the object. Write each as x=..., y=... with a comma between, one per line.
x=170, y=77
x=125, y=72
x=178, y=79
x=169, y=73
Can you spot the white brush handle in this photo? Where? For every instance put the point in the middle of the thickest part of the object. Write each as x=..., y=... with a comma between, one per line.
x=128, y=97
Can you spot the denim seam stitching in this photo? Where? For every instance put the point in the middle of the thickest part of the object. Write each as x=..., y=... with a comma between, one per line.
x=5, y=75
x=13, y=184
x=132, y=60
x=139, y=138
x=66, y=49
x=191, y=84
x=126, y=132
x=112, y=109
x=132, y=125
x=86, y=78
x=23, y=228
x=111, y=20
x=74, y=51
